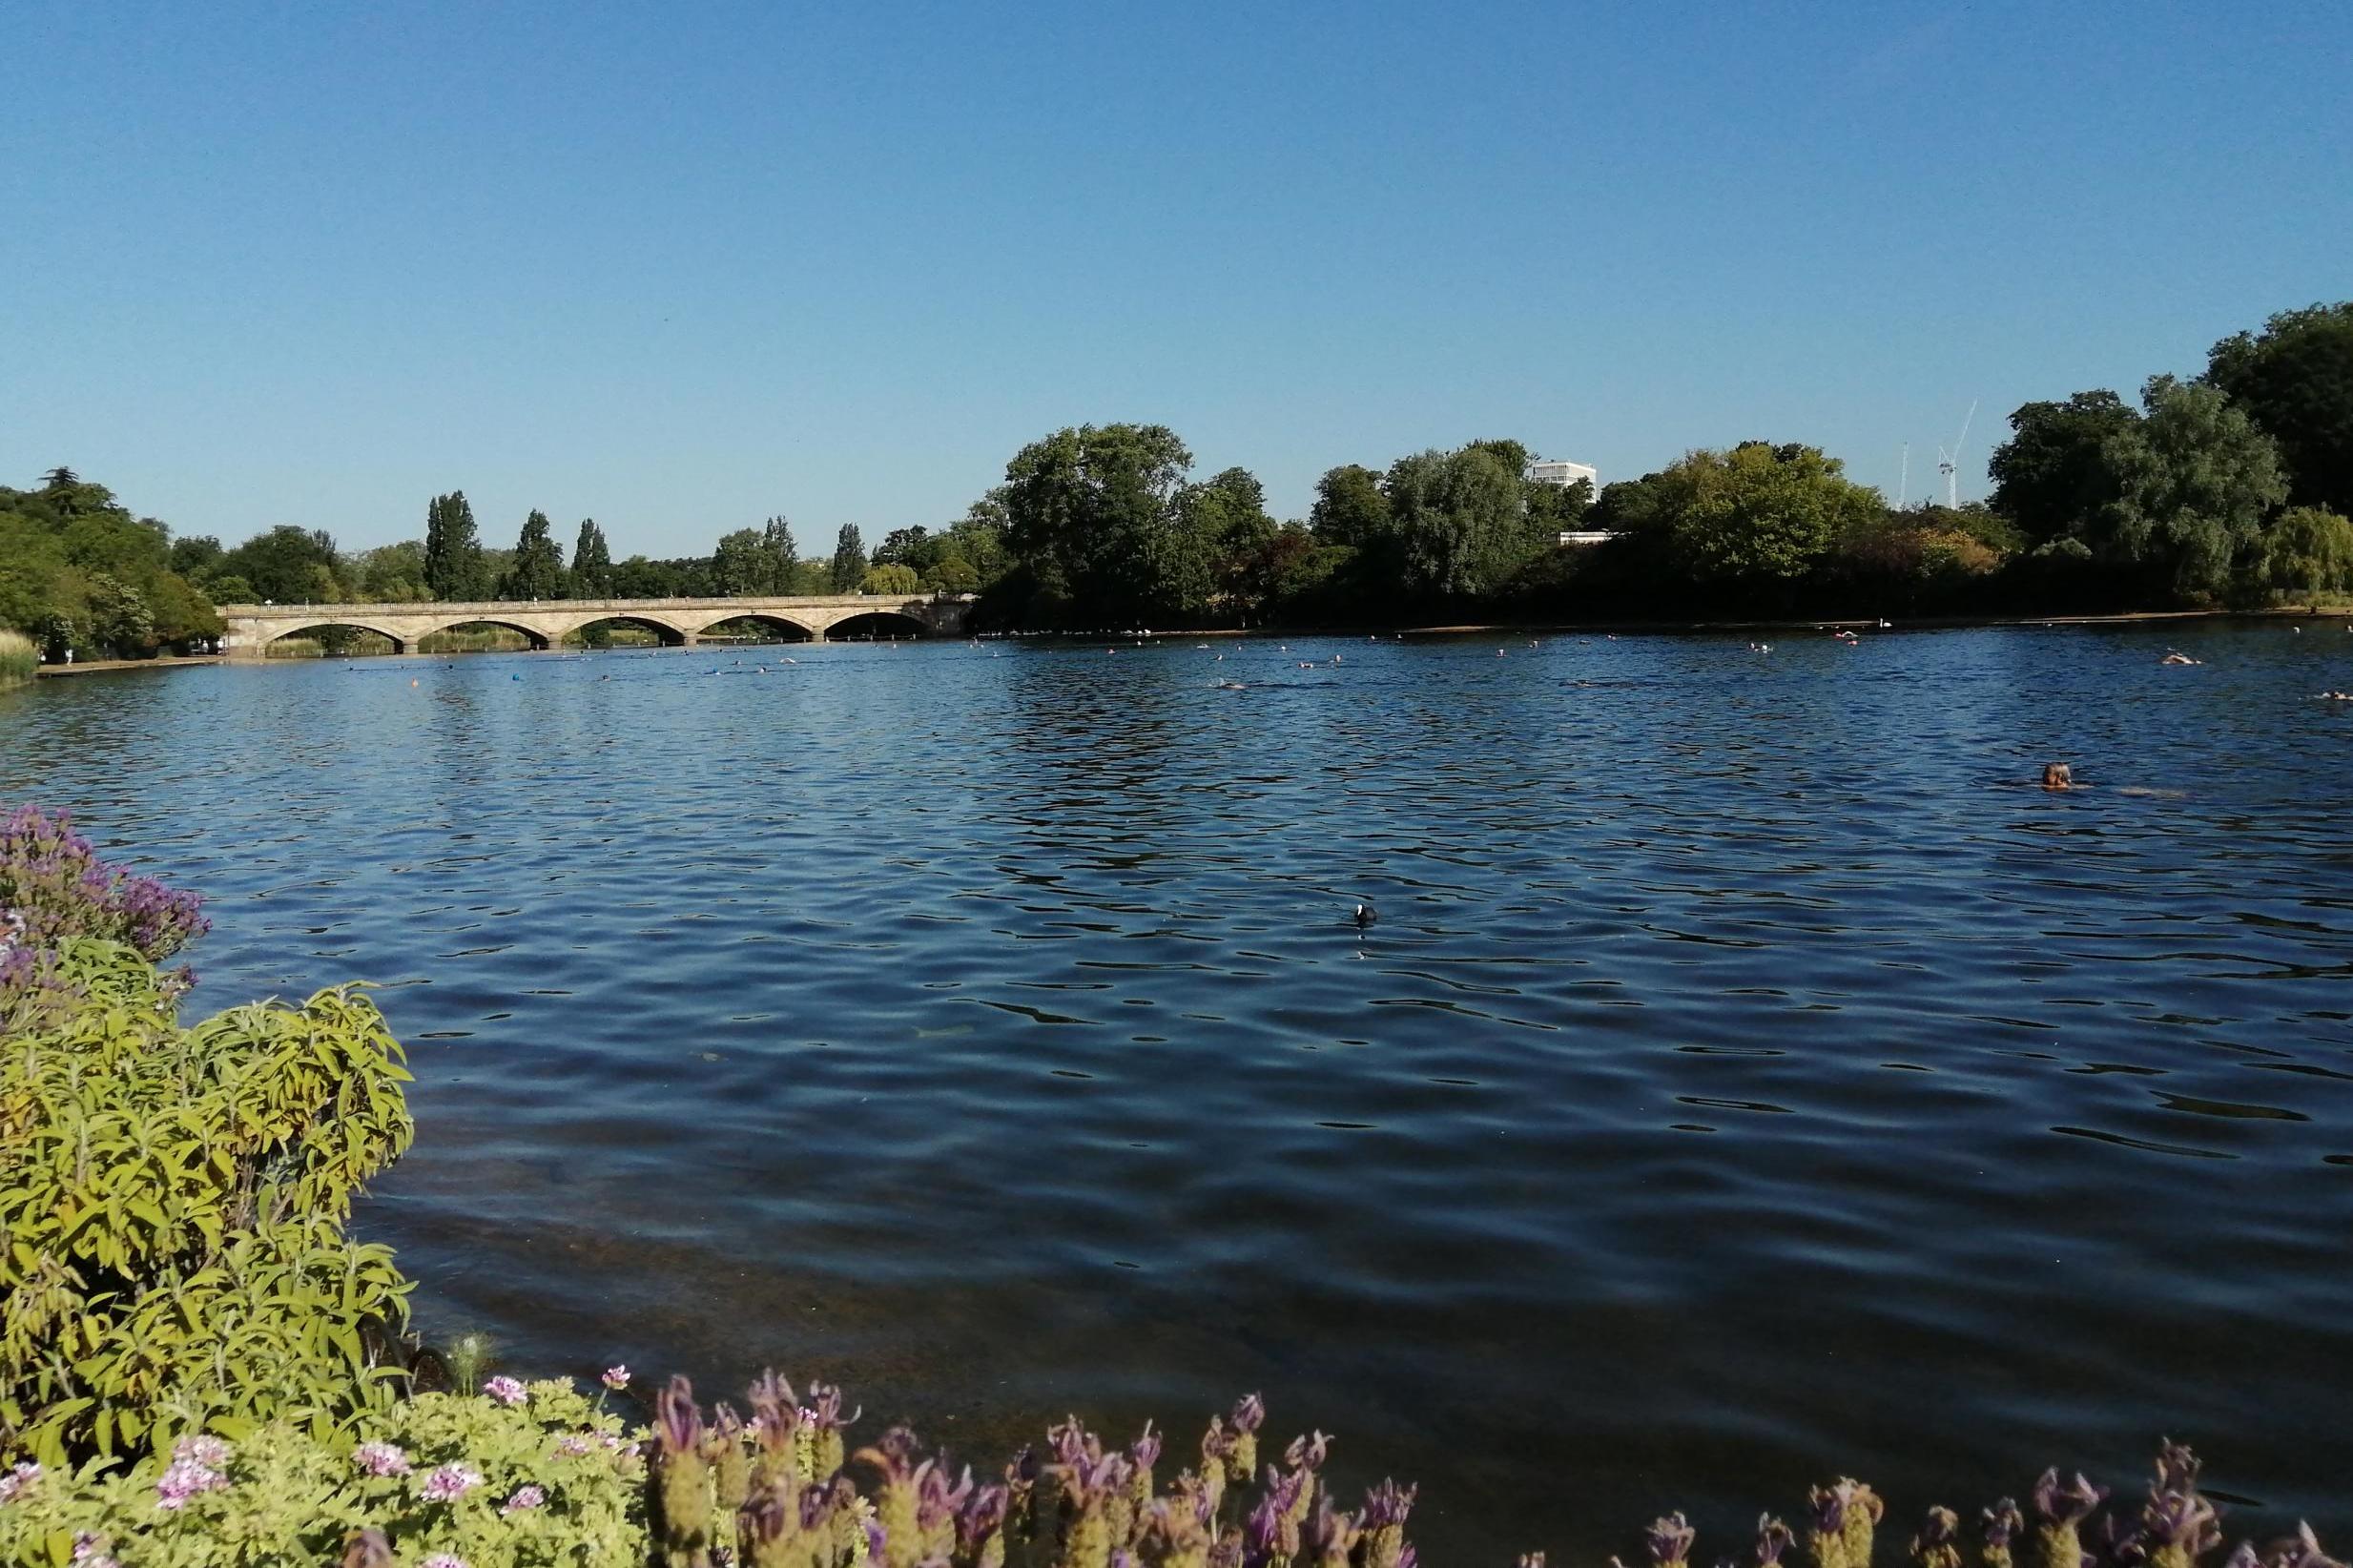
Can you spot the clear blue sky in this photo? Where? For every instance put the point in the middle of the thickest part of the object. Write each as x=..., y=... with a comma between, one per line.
x=681, y=266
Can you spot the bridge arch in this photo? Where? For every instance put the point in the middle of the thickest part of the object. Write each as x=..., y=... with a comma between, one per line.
x=792, y=630
x=671, y=634
x=332, y=623
x=533, y=635
x=877, y=625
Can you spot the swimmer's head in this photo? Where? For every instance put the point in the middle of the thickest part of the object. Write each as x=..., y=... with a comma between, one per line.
x=2057, y=776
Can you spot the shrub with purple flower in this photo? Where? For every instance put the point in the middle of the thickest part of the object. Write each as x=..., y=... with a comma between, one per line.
x=449, y=1482
x=506, y=1390
x=380, y=1458
x=54, y=883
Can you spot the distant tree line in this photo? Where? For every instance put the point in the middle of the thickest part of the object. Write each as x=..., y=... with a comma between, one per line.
x=2230, y=489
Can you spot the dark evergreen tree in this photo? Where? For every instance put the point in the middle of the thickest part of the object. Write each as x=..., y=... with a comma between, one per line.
x=537, y=571
x=453, y=563
x=781, y=552
x=591, y=576
x=849, y=559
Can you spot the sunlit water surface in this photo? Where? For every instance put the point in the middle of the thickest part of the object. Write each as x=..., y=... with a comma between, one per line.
x=1749, y=1078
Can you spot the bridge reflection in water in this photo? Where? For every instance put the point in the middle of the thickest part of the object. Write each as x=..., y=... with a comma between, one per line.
x=546, y=622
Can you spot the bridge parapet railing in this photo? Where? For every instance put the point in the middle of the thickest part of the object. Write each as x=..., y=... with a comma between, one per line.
x=508, y=607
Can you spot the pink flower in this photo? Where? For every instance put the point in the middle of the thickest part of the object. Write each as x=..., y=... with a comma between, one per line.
x=506, y=1390
x=380, y=1458
x=617, y=1378
x=184, y=1479
x=450, y=1483
x=90, y=1551
x=13, y=1482
x=444, y=1559
x=209, y=1451
x=526, y=1496
x=572, y=1447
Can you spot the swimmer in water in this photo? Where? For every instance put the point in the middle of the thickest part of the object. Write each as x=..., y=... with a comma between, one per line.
x=2174, y=657
x=2057, y=776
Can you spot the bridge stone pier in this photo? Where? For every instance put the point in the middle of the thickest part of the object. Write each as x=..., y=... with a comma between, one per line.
x=546, y=622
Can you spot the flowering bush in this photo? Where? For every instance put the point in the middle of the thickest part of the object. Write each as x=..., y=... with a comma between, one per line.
x=53, y=888
x=57, y=887
x=550, y=1480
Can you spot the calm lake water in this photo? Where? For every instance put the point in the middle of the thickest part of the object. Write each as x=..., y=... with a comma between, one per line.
x=1749, y=1080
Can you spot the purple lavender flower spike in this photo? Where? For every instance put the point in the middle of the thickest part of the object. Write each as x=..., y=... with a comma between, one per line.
x=2002, y=1523
x=677, y=1419
x=1333, y=1535
x=1829, y=1505
x=2182, y=1518
x=1410, y=1557
x=2066, y=1504
x=1074, y=1446
x=1249, y=1412
x=1388, y=1504
x=1308, y=1452
x=1773, y=1539
x=982, y=1516
x=825, y=1405
x=1669, y=1540
x=2243, y=1557
x=2177, y=1466
x=1145, y=1451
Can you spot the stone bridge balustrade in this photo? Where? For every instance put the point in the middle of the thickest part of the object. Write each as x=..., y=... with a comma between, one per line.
x=545, y=622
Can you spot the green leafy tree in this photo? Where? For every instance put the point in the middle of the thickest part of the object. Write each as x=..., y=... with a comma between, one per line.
x=2054, y=473
x=1455, y=522
x=2295, y=380
x=977, y=539
x=454, y=568
x=639, y=578
x=536, y=570
x=192, y=557
x=2195, y=481
x=1095, y=517
x=893, y=577
x=2309, y=553
x=740, y=567
x=1349, y=509
x=1757, y=513
x=849, y=559
x=910, y=546
x=1227, y=513
x=288, y=566
x=591, y=562
x=389, y=574
x=953, y=574
x=120, y=621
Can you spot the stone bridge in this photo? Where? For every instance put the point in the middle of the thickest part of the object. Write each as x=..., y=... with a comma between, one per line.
x=546, y=622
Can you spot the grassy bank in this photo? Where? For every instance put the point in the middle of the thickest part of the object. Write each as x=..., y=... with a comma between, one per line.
x=19, y=659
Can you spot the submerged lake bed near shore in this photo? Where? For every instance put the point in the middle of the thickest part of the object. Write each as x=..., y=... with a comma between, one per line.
x=1751, y=1076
